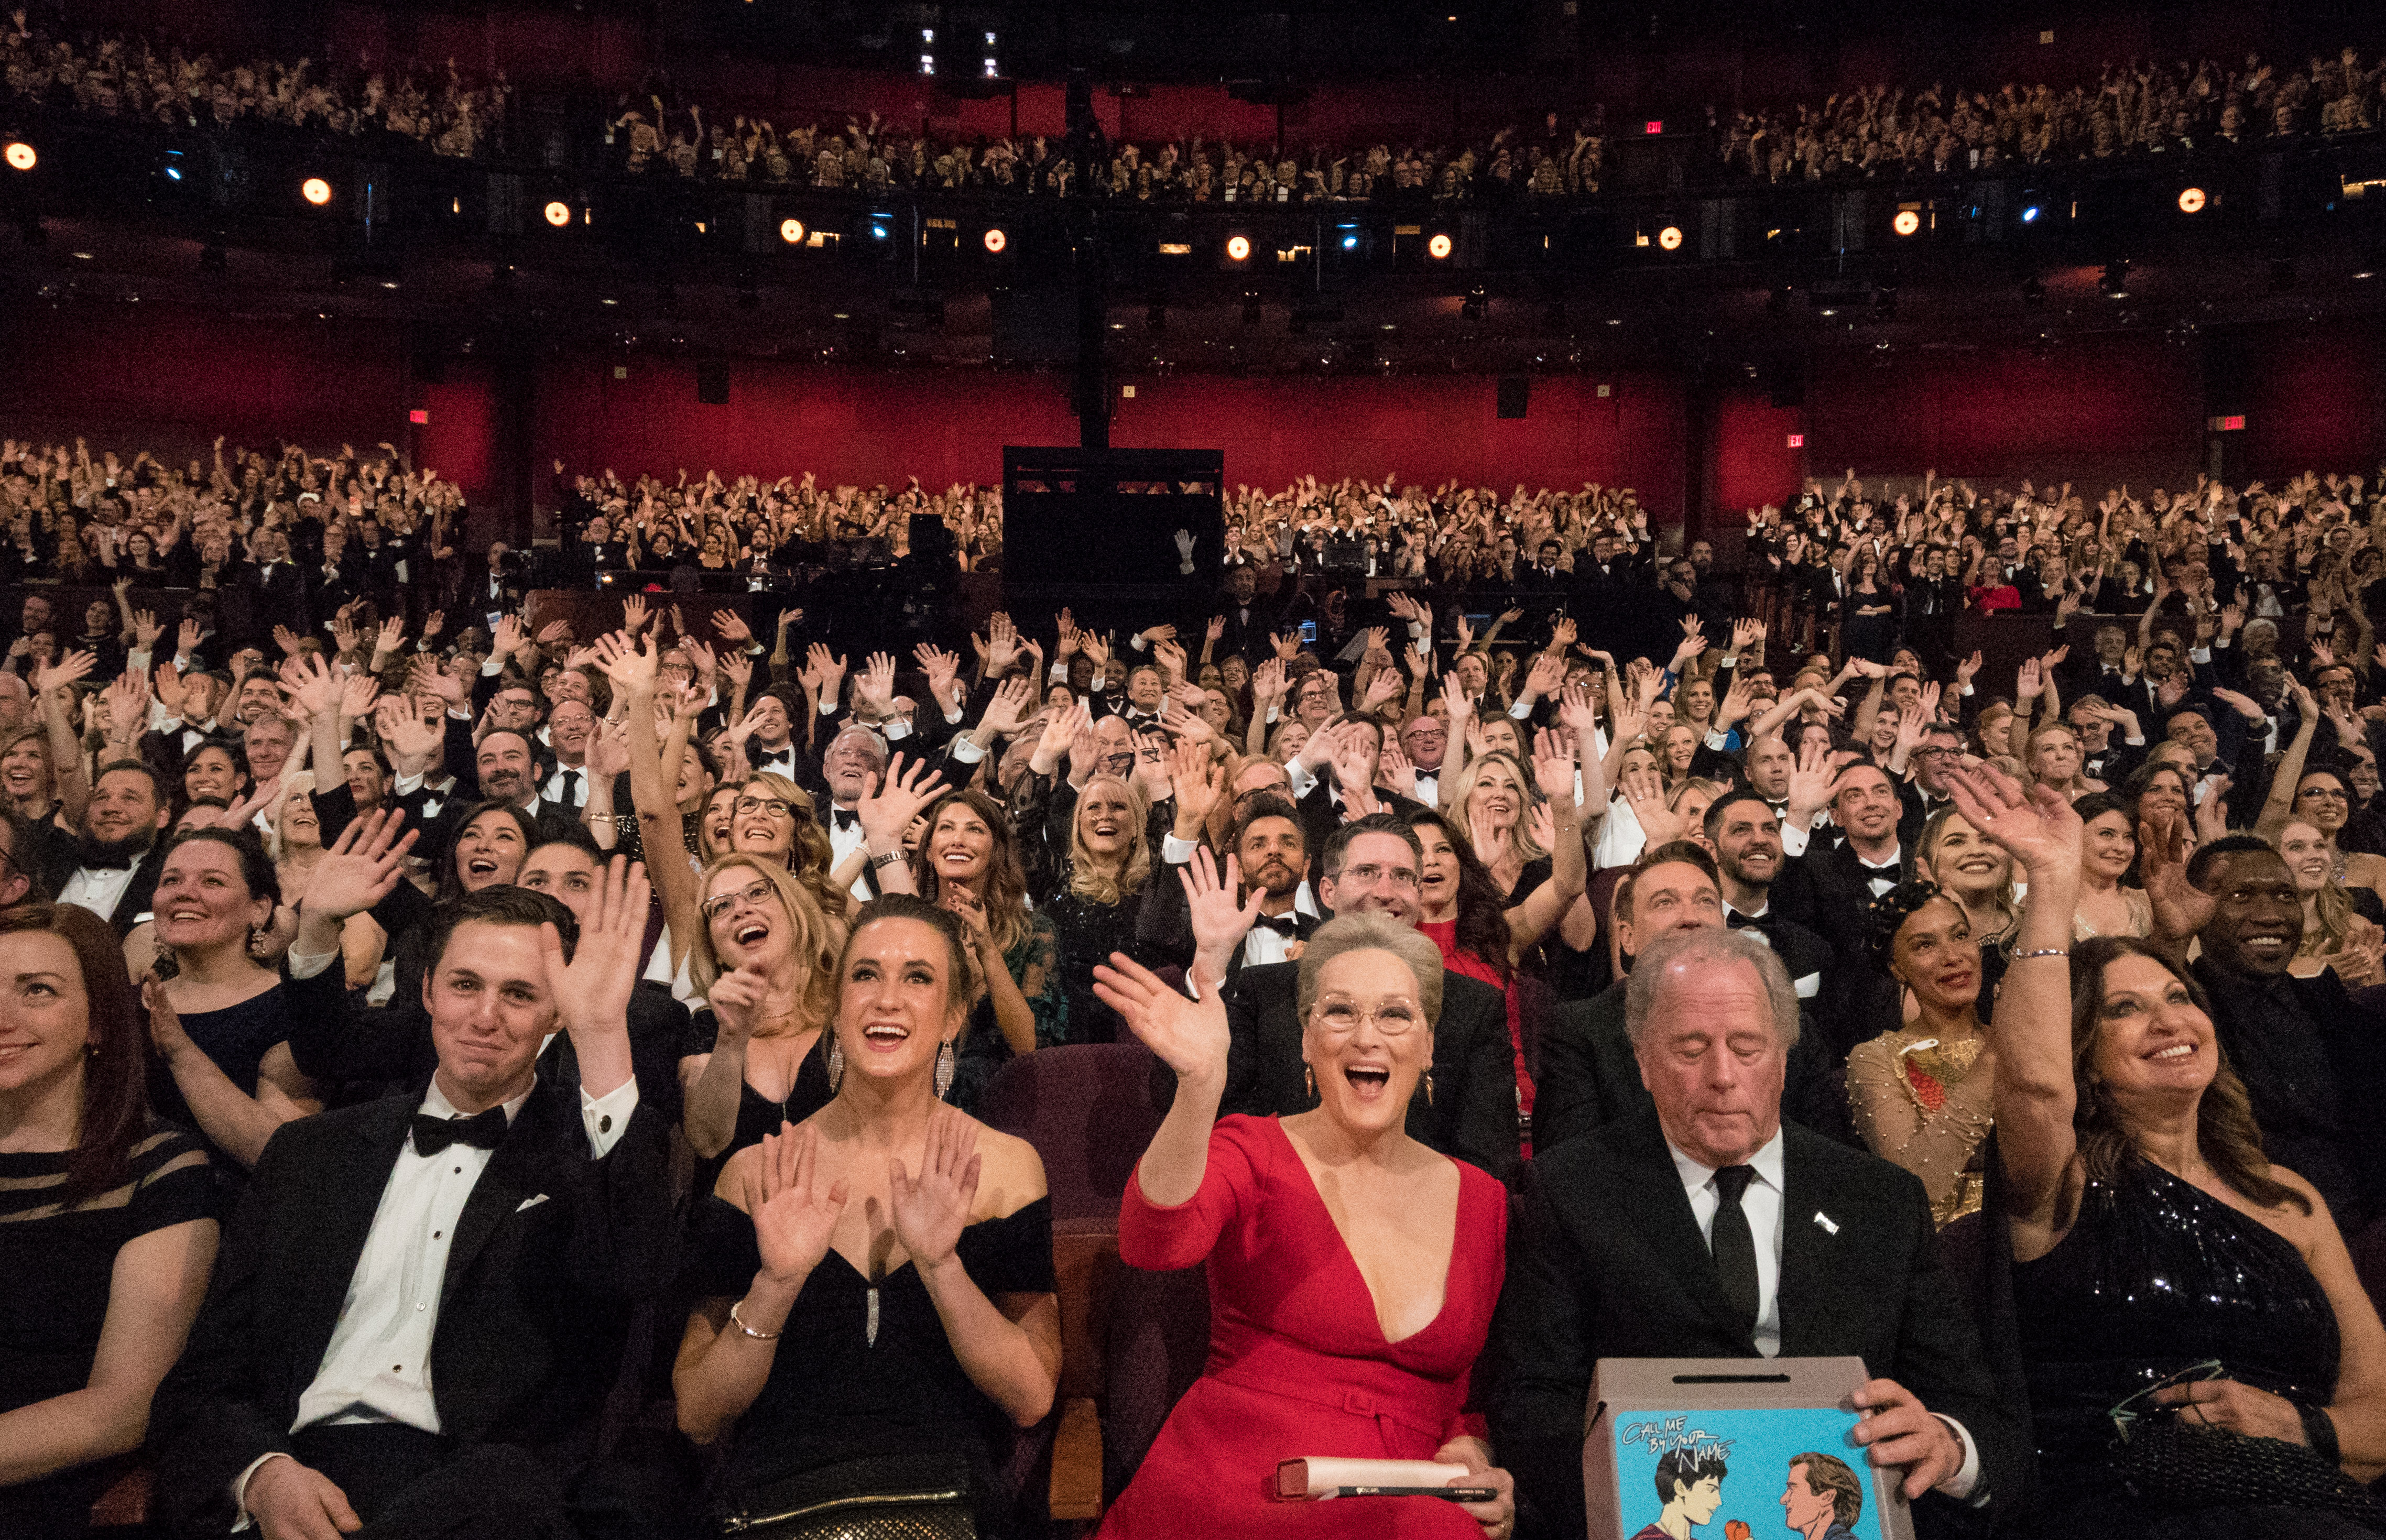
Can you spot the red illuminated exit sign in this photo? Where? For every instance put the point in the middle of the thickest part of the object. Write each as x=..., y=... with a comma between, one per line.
x=1797, y=441
x=418, y=416
x=2235, y=423
x=1655, y=125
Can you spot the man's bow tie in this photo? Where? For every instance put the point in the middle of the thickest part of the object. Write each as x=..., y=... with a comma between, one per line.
x=482, y=1132
x=1739, y=922
x=1891, y=870
x=845, y=820
x=1285, y=925
x=118, y=863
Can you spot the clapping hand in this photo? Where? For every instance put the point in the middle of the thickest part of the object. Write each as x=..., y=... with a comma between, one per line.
x=795, y=1214
x=929, y=1212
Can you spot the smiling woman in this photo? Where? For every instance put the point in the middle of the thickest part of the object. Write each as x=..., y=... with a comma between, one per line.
x=1921, y=1093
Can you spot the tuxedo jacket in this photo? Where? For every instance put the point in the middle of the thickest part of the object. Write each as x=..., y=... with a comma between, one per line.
x=1473, y=1114
x=1828, y=891
x=552, y=1253
x=1589, y=1077
x=1605, y=1261
x=62, y=859
x=1164, y=924
x=1320, y=818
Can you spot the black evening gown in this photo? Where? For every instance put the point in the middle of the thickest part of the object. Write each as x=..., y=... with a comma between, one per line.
x=865, y=1370
x=757, y=1114
x=2153, y=1279
x=1089, y=933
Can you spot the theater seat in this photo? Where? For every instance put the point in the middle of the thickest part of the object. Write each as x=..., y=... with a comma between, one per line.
x=1089, y=1110
x=125, y=1504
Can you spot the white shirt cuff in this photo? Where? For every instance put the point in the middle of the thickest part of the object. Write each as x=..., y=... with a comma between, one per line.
x=1967, y=1476
x=895, y=730
x=1059, y=673
x=1176, y=852
x=240, y=1489
x=827, y=707
x=968, y=751
x=1523, y=710
x=607, y=1117
x=2199, y=654
x=306, y=965
x=1793, y=839
x=1136, y=641
x=1300, y=779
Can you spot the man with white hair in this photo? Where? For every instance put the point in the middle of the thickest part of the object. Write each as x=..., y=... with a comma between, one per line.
x=1705, y=1227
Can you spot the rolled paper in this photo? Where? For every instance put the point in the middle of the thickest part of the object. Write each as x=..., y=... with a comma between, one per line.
x=1316, y=1476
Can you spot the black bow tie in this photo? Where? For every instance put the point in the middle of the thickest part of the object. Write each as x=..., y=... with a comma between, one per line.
x=1889, y=871
x=1285, y=925
x=845, y=820
x=122, y=863
x=1739, y=922
x=483, y=1132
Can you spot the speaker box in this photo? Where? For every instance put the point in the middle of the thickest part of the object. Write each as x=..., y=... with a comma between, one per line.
x=712, y=384
x=1515, y=391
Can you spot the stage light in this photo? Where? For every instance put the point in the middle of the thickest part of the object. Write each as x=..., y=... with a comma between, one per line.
x=879, y=228
x=995, y=241
x=1437, y=247
x=1350, y=242
x=2029, y=214
x=1238, y=248
x=558, y=214
x=21, y=156
x=791, y=232
x=315, y=189
x=1670, y=237
x=1906, y=222
x=2190, y=200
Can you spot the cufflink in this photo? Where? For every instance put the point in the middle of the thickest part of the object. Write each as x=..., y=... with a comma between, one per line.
x=1830, y=1227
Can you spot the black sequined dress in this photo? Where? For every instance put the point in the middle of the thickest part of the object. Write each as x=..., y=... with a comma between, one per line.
x=2155, y=1278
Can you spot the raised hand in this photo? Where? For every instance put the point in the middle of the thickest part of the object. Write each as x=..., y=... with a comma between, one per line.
x=592, y=992
x=930, y=1212
x=1576, y=712
x=1286, y=645
x=730, y=627
x=794, y=1212
x=424, y=677
x=362, y=866
x=634, y=613
x=507, y=637
x=2036, y=825
x=1008, y=709
x=1189, y=1036
x=1810, y=784
x=66, y=670
x=941, y=666
x=892, y=801
x=629, y=663
x=1553, y=764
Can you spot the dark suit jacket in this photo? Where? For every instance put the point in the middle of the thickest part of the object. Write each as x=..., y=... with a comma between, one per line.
x=1164, y=924
x=1320, y=818
x=1605, y=1261
x=62, y=859
x=1589, y=1079
x=1473, y=1114
x=533, y=1310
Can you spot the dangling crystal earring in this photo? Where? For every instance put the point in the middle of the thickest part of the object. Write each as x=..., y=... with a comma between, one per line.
x=836, y=1065
x=256, y=941
x=1308, y=1080
x=945, y=1061
x=1428, y=1087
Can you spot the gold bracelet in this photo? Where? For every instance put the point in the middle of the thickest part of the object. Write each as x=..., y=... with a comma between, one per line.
x=757, y=1336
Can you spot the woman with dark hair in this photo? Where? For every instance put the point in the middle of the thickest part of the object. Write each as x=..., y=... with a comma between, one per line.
x=2108, y=905
x=968, y=865
x=107, y=1226
x=2201, y=1359
x=1920, y=1091
x=877, y=1305
x=221, y=1020
x=1869, y=612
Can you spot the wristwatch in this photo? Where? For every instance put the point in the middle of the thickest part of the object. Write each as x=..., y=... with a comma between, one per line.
x=888, y=859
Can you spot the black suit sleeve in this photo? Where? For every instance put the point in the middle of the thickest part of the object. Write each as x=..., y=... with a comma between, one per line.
x=1243, y=1092
x=1940, y=1360
x=1566, y=1093
x=1163, y=923
x=1479, y=1126
x=1539, y=1363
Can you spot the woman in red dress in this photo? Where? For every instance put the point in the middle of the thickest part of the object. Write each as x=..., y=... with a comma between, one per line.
x=1352, y=1270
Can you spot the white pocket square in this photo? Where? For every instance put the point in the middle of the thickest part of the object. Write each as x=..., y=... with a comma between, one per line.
x=531, y=1202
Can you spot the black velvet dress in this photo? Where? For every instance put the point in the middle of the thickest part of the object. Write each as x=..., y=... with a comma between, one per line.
x=2155, y=1278
x=757, y=1114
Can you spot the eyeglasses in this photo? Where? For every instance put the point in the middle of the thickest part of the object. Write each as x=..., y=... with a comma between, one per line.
x=2331, y=794
x=1369, y=875
x=2124, y=1412
x=758, y=894
x=774, y=806
x=1341, y=1018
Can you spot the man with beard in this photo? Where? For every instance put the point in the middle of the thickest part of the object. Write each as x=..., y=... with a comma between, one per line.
x=1747, y=839
x=1371, y=866
x=509, y=771
x=1271, y=851
x=1942, y=750
x=16, y=844
x=260, y=696
x=112, y=869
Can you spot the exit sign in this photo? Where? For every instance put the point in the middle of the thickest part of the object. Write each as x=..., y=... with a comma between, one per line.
x=2233, y=423
x=1656, y=125
x=419, y=417
x=1797, y=441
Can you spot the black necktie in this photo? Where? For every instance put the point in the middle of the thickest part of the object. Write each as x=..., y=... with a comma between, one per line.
x=845, y=820
x=571, y=789
x=1734, y=1245
x=483, y=1132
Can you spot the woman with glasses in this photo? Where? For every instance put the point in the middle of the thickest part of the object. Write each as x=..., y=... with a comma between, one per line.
x=1352, y=1270
x=2201, y=1357
x=2319, y=796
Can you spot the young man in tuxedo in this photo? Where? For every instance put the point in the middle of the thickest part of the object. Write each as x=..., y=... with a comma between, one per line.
x=420, y=1303
x=112, y=869
x=1746, y=834
x=1271, y=851
x=1707, y=1228
x=1370, y=866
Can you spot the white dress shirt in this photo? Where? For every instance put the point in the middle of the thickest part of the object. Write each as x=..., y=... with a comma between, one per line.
x=100, y=889
x=1261, y=944
x=843, y=842
x=553, y=791
x=1762, y=1203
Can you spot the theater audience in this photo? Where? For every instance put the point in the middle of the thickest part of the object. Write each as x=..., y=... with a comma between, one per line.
x=2251, y=1381
x=875, y=1283
x=107, y=1228
x=1369, y=1361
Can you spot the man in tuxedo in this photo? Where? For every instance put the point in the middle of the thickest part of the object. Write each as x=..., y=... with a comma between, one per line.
x=509, y=771
x=1941, y=749
x=112, y=869
x=1250, y=623
x=1708, y=1228
x=422, y=1302
x=1830, y=886
x=18, y=843
x=1270, y=852
x=1589, y=1078
x=1353, y=748
x=1370, y=866
x=1746, y=834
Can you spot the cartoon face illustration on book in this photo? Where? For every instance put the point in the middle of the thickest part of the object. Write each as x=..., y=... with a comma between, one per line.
x=1788, y=1479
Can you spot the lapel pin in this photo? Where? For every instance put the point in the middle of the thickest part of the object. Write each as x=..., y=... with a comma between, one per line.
x=1829, y=1226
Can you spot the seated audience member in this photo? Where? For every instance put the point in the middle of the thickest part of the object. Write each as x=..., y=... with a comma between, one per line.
x=422, y=1301
x=112, y=869
x=1682, y=1232
x=16, y=883
x=2164, y=1270
x=2108, y=905
x=1919, y=1092
x=1745, y=831
x=2340, y=924
x=221, y=1021
x=108, y=1222
x=1370, y=866
x=876, y=1283
x=968, y=864
x=1306, y=1354
x=1269, y=844
x=1590, y=1077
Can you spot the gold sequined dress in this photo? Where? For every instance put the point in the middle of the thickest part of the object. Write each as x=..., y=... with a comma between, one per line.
x=1925, y=1105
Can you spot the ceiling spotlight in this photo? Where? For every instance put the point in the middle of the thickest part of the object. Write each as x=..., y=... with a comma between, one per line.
x=995, y=241
x=1238, y=248
x=1906, y=222
x=2192, y=200
x=559, y=213
x=1670, y=238
x=2030, y=213
x=791, y=232
x=315, y=189
x=1437, y=247
x=21, y=156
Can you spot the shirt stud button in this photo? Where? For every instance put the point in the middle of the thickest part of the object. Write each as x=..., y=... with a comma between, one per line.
x=604, y=1123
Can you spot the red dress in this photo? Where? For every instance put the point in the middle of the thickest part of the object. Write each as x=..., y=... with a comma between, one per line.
x=1297, y=1364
